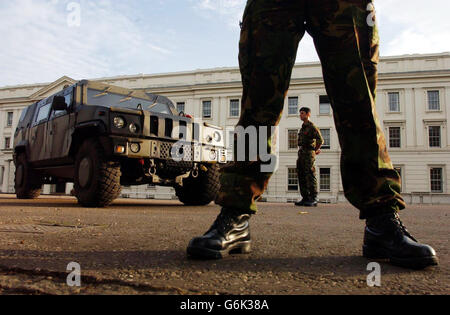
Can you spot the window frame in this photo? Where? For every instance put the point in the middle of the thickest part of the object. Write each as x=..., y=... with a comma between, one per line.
x=442, y=179
x=210, y=109
x=230, y=109
x=9, y=122
x=399, y=137
x=321, y=103
x=7, y=143
x=289, y=140
x=398, y=101
x=320, y=179
x=429, y=109
x=296, y=112
x=184, y=107
x=429, y=136
x=290, y=185
x=324, y=147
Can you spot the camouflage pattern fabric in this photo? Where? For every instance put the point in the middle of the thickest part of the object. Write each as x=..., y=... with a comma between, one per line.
x=306, y=171
x=346, y=40
x=309, y=138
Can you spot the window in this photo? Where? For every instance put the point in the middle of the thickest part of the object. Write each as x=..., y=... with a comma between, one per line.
x=433, y=100
x=434, y=135
x=9, y=120
x=292, y=139
x=234, y=108
x=7, y=143
x=326, y=135
x=207, y=109
x=394, y=137
x=394, y=102
x=324, y=105
x=325, y=179
x=42, y=114
x=436, y=180
x=292, y=105
x=292, y=179
x=181, y=107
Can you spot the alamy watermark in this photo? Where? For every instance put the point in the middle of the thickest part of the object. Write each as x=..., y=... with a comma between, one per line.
x=374, y=278
x=73, y=8
x=74, y=277
x=247, y=144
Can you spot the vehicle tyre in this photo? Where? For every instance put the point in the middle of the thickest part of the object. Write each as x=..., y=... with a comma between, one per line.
x=26, y=183
x=202, y=190
x=97, y=181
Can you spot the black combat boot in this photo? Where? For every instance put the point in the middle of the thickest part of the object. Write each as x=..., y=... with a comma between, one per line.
x=229, y=233
x=311, y=202
x=387, y=238
x=301, y=203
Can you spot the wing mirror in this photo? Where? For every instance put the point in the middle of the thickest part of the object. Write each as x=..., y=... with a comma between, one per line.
x=59, y=103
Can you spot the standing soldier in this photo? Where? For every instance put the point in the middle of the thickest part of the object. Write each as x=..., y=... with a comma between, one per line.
x=309, y=142
x=346, y=40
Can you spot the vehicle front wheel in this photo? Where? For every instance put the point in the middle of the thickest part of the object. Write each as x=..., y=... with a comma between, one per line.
x=202, y=190
x=97, y=181
x=26, y=183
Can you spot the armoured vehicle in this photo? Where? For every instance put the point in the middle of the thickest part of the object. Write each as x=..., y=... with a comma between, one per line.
x=101, y=137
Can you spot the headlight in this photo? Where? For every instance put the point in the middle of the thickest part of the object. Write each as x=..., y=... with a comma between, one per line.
x=135, y=147
x=119, y=122
x=212, y=155
x=133, y=128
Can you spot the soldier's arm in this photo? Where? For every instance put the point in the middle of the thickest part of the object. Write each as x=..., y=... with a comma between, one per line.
x=319, y=141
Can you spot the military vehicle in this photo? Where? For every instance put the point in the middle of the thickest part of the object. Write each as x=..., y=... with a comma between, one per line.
x=101, y=137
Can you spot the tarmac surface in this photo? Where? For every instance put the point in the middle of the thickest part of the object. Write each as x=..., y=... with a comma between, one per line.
x=139, y=247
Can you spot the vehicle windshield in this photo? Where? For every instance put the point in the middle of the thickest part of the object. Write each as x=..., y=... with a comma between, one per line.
x=107, y=99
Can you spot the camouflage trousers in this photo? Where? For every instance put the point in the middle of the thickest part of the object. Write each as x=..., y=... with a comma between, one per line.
x=346, y=40
x=306, y=171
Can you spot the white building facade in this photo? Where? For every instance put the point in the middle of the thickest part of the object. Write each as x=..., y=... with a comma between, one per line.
x=413, y=104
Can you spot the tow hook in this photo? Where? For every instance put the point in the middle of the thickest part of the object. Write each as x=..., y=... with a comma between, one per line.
x=194, y=171
x=152, y=170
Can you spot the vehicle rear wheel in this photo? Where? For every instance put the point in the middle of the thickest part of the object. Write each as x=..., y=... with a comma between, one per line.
x=202, y=190
x=97, y=181
x=26, y=183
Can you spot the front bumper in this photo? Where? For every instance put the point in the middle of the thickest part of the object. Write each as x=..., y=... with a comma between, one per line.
x=165, y=150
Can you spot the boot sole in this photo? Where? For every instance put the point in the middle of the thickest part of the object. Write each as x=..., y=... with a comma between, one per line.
x=206, y=253
x=412, y=263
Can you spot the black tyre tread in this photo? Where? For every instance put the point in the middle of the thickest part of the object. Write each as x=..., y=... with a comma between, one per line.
x=29, y=189
x=202, y=190
x=108, y=188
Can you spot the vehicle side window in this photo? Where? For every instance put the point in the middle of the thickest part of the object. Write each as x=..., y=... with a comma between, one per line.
x=24, y=113
x=68, y=97
x=42, y=114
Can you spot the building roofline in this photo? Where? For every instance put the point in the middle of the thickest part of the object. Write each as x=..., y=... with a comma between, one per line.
x=219, y=69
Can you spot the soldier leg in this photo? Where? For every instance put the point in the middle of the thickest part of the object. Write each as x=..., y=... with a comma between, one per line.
x=269, y=40
x=302, y=178
x=347, y=42
x=310, y=179
x=348, y=48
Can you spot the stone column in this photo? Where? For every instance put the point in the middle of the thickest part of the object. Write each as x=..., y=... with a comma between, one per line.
x=6, y=177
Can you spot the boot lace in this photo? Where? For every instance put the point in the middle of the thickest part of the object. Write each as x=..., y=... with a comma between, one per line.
x=223, y=223
x=400, y=227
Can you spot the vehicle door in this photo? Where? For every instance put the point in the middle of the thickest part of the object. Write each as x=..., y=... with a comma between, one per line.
x=38, y=132
x=59, y=129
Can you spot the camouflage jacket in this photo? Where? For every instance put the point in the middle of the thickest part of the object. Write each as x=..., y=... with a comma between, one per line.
x=309, y=137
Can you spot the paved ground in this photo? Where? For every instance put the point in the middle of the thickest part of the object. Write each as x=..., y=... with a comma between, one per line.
x=138, y=247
